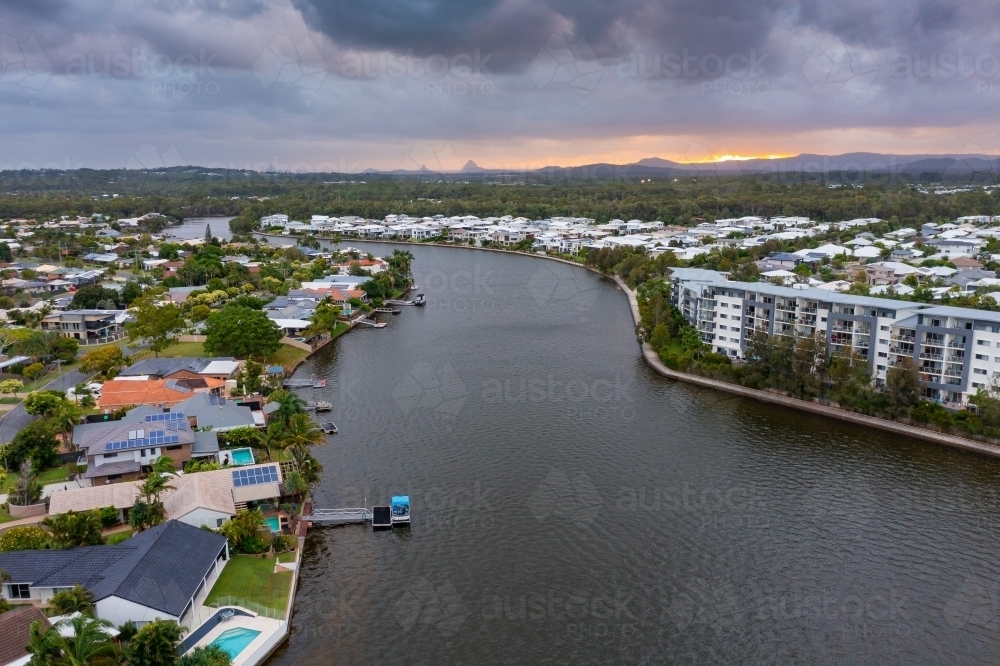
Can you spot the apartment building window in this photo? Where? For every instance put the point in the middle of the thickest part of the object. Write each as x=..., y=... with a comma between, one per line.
x=881, y=367
x=110, y=455
x=984, y=343
x=979, y=371
x=883, y=355
x=996, y=359
x=982, y=357
x=723, y=328
x=977, y=385
x=883, y=341
x=883, y=328
x=723, y=316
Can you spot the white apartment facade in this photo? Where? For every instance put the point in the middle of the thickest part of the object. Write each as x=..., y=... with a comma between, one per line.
x=727, y=313
x=957, y=350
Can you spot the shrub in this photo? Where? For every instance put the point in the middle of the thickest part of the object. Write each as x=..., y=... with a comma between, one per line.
x=108, y=516
x=283, y=543
x=28, y=537
x=34, y=371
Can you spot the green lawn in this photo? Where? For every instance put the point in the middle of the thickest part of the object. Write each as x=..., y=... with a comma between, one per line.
x=10, y=401
x=287, y=356
x=118, y=537
x=284, y=558
x=185, y=350
x=254, y=580
x=54, y=475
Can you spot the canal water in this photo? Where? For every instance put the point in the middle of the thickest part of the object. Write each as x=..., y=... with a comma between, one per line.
x=571, y=506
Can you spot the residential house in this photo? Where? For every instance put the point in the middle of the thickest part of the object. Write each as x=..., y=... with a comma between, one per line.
x=161, y=573
x=127, y=392
x=223, y=367
x=122, y=450
x=87, y=326
x=201, y=499
x=15, y=634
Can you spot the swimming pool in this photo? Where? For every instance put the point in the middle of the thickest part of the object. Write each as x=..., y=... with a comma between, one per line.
x=274, y=523
x=235, y=640
x=241, y=456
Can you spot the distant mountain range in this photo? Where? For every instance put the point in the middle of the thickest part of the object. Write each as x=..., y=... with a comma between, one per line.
x=868, y=163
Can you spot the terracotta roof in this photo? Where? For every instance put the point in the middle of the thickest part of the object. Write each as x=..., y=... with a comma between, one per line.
x=167, y=392
x=14, y=636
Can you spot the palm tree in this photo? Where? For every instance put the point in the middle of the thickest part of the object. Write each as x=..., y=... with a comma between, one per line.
x=300, y=433
x=77, y=599
x=155, y=644
x=289, y=404
x=89, y=645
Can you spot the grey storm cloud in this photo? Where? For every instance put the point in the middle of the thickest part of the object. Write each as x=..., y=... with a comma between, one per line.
x=267, y=80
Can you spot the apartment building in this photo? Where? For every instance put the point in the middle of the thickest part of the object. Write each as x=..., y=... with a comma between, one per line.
x=956, y=349
x=87, y=326
x=726, y=315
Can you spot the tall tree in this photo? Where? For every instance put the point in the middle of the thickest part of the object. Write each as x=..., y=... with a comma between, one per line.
x=241, y=332
x=154, y=323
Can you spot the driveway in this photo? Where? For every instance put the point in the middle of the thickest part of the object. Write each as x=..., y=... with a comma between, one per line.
x=16, y=419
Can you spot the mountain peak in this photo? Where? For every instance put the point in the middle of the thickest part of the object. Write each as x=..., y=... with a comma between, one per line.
x=471, y=166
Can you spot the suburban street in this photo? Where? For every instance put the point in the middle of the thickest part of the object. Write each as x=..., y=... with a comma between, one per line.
x=16, y=419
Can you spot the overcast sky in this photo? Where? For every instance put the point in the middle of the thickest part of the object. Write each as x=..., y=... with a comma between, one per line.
x=310, y=85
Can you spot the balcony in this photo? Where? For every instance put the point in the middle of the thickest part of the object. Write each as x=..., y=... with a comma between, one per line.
x=953, y=373
x=956, y=345
x=784, y=308
x=933, y=342
x=955, y=358
x=903, y=338
x=932, y=355
x=901, y=350
x=807, y=310
x=842, y=329
x=925, y=377
x=785, y=320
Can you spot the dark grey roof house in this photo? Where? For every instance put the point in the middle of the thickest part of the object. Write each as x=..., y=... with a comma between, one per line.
x=163, y=572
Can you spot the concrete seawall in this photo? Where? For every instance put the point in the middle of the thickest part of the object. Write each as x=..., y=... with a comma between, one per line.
x=654, y=361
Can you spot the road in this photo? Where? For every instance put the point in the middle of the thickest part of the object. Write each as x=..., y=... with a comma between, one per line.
x=16, y=419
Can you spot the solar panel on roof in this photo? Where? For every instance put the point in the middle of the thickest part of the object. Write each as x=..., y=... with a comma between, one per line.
x=255, y=476
x=167, y=416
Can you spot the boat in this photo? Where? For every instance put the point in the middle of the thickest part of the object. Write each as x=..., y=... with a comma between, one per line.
x=420, y=301
x=323, y=406
x=400, y=510
x=319, y=383
x=329, y=427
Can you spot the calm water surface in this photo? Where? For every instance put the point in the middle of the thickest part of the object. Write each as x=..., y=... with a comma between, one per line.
x=570, y=506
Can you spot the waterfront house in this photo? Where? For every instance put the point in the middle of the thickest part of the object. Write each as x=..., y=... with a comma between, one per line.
x=200, y=499
x=160, y=392
x=162, y=573
x=222, y=368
